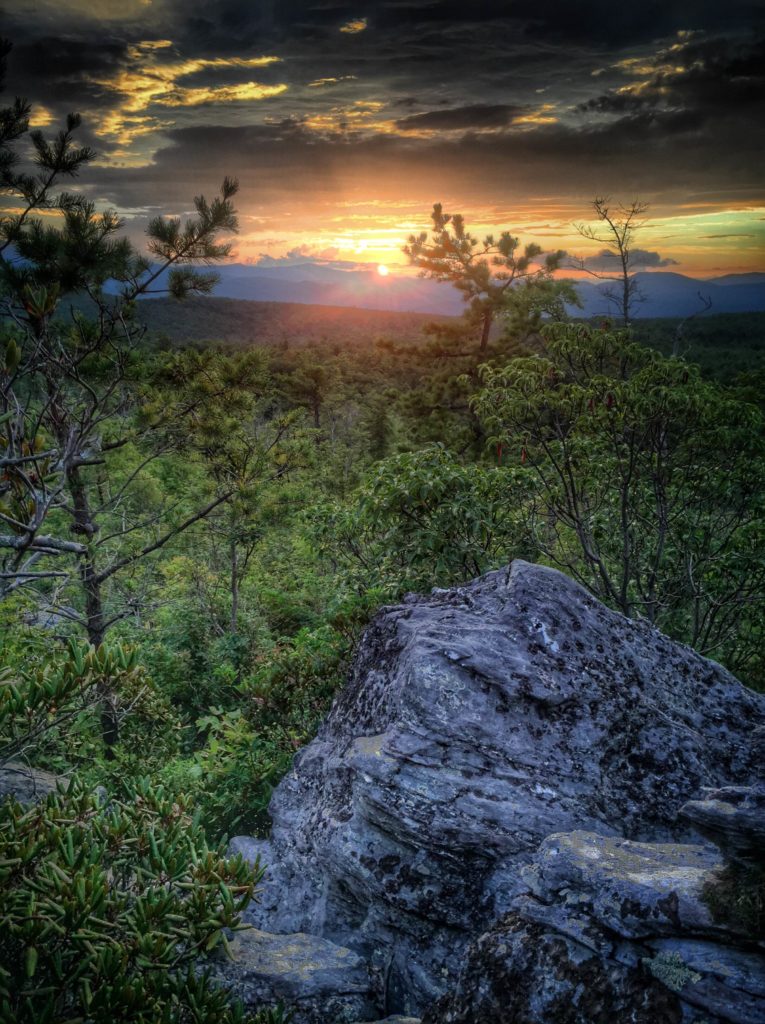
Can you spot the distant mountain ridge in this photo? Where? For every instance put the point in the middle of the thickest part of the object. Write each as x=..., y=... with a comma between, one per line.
x=317, y=284
x=670, y=294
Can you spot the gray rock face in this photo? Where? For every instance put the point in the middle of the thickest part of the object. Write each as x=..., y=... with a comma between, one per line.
x=396, y=1019
x=476, y=722
x=520, y=971
x=610, y=929
x=733, y=818
x=25, y=784
x=636, y=890
x=319, y=981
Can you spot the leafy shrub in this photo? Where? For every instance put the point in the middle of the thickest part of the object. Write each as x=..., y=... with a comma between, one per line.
x=53, y=712
x=107, y=909
x=736, y=898
x=425, y=518
x=247, y=751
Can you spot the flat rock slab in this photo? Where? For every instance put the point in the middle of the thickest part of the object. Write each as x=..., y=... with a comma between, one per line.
x=634, y=889
x=319, y=981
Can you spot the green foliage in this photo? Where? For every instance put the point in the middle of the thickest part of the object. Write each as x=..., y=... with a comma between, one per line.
x=425, y=518
x=72, y=390
x=723, y=345
x=53, y=711
x=649, y=482
x=736, y=898
x=494, y=275
x=108, y=907
x=245, y=751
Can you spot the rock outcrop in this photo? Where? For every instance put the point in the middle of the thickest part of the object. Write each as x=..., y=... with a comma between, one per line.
x=25, y=784
x=319, y=981
x=609, y=930
x=476, y=723
x=733, y=818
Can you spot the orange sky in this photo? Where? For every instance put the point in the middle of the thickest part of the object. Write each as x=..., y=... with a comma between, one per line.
x=346, y=122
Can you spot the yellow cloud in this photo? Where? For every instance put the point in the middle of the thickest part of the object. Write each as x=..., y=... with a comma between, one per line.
x=354, y=119
x=542, y=115
x=151, y=44
x=222, y=94
x=662, y=65
x=41, y=117
x=354, y=26
x=152, y=78
x=321, y=82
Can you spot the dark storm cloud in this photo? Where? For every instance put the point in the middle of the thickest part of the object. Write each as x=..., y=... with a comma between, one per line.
x=276, y=162
x=477, y=115
x=58, y=70
x=567, y=110
x=711, y=76
x=66, y=59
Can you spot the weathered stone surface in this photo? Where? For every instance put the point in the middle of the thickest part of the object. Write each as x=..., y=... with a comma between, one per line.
x=395, y=1019
x=727, y=984
x=519, y=973
x=319, y=981
x=732, y=817
x=26, y=784
x=635, y=890
x=477, y=722
x=611, y=929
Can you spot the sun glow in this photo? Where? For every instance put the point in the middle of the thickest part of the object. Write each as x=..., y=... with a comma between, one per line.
x=382, y=270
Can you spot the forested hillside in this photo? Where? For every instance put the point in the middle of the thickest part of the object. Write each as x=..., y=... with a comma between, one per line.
x=722, y=344
x=282, y=325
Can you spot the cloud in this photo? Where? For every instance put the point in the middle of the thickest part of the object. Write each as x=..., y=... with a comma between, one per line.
x=288, y=162
x=695, y=74
x=302, y=254
x=319, y=83
x=609, y=261
x=149, y=79
x=190, y=92
x=41, y=117
x=354, y=26
x=477, y=115
x=224, y=94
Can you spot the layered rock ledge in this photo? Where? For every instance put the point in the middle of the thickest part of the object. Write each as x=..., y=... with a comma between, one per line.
x=610, y=930
x=478, y=722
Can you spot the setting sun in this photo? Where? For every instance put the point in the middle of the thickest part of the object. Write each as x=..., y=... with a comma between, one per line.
x=382, y=270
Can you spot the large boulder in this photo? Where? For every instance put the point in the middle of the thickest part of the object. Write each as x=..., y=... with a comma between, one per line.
x=477, y=722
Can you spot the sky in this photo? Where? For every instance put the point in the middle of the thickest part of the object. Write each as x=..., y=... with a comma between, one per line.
x=344, y=123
